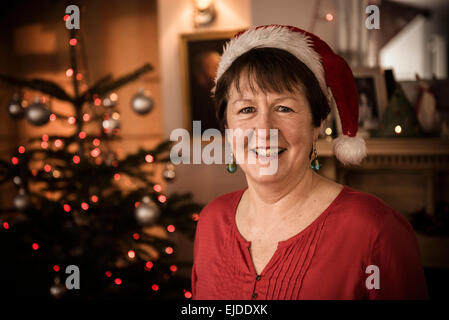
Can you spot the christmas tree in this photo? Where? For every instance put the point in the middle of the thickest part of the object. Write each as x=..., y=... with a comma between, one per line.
x=75, y=230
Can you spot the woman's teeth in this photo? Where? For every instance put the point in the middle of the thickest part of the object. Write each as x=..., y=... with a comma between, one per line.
x=268, y=152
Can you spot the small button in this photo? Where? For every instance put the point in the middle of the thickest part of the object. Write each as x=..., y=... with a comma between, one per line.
x=254, y=296
x=258, y=278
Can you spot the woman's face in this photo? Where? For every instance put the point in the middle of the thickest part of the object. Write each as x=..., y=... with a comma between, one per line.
x=288, y=113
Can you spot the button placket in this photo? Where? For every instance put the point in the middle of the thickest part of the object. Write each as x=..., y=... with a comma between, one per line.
x=254, y=295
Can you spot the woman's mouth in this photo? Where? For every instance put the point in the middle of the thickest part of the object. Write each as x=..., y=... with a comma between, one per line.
x=268, y=152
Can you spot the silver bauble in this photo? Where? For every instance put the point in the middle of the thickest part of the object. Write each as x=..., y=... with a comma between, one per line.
x=22, y=200
x=111, y=122
x=169, y=172
x=16, y=109
x=57, y=289
x=38, y=113
x=17, y=180
x=142, y=103
x=147, y=212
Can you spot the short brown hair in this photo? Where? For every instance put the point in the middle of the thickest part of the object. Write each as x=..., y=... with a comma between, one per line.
x=272, y=70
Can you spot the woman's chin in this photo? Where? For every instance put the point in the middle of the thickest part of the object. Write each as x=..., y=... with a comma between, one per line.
x=264, y=173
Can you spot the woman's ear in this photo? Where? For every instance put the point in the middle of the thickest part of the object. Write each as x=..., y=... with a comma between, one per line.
x=317, y=130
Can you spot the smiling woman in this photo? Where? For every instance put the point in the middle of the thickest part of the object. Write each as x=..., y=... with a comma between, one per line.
x=294, y=234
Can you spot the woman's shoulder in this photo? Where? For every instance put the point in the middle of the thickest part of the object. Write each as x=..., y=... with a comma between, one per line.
x=370, y=211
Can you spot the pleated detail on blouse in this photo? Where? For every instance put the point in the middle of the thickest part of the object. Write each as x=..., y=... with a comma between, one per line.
x=281, y=278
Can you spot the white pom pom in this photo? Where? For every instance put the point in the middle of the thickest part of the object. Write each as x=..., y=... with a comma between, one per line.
x=349, y=150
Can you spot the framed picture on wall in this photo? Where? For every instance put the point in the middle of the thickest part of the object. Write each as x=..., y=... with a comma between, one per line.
x=372, y=96
x=200, y=55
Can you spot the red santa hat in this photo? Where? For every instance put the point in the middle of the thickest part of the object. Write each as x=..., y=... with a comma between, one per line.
x=332, y=72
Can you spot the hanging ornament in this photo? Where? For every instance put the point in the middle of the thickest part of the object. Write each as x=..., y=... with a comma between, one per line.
x=169, y=172
x=15, y=107
x=38, y=113
x=17, y=180
x=111, y=122
x=110, y=101
x=147, y=212
x=142, y=102
x=22, y=200
x=57, y=289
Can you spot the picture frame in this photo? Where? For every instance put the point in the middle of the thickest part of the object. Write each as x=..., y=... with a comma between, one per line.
x=372, y=96
x=200, y=53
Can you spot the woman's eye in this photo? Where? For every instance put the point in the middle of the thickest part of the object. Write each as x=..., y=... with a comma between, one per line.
x=247, y=110
x=284, y=109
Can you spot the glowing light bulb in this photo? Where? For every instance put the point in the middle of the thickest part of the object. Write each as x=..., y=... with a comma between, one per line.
x=398, y=129
x=69, y=72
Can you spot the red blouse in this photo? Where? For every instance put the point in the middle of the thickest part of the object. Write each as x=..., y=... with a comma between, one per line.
x=326, y=260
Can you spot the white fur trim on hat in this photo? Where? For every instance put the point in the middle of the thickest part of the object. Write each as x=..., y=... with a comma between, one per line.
x=349, y=150
x=279, y=37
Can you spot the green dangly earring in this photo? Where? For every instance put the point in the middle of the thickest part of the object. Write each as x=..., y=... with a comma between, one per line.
x=315, y=164
x=231, y=167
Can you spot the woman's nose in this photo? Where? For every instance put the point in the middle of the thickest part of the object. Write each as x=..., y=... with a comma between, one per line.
x=264, y=120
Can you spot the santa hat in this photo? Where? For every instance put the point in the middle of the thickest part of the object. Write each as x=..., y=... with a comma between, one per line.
x=332, y=72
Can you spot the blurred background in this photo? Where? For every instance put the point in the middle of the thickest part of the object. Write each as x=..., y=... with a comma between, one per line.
x=86, y=178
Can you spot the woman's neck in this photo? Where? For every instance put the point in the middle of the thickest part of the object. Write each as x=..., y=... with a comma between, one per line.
x=276, y=200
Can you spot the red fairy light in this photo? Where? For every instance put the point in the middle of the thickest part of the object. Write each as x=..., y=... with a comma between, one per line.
x=72, y=120
x=169, y=250
x=173, y=268
x=155, y=287
x=97, y=101
x=118, y=281
x=108, y=274
x=52, y=117
x=47, y=168
x=79, y=76
x=188, y=294
x=73, y=42
x=56, y=268
x=84, y=206
x=95, y=152
x=66, y=17
x=15, y=160
x=76, y=159
x=6, y=225
x=195, y=216
x=58, y=143
x=86, y=117
x=67, y=207
x=21, y=149
x=94, y=199
x=162, y=198
x=171, y=228
x=96, y=142
x=136, y=236
x=82, y=135
x=35, y=246
x=44, y=144
x=157, y=188
x=149, y=158
x=117, y=176
x=131, y=254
